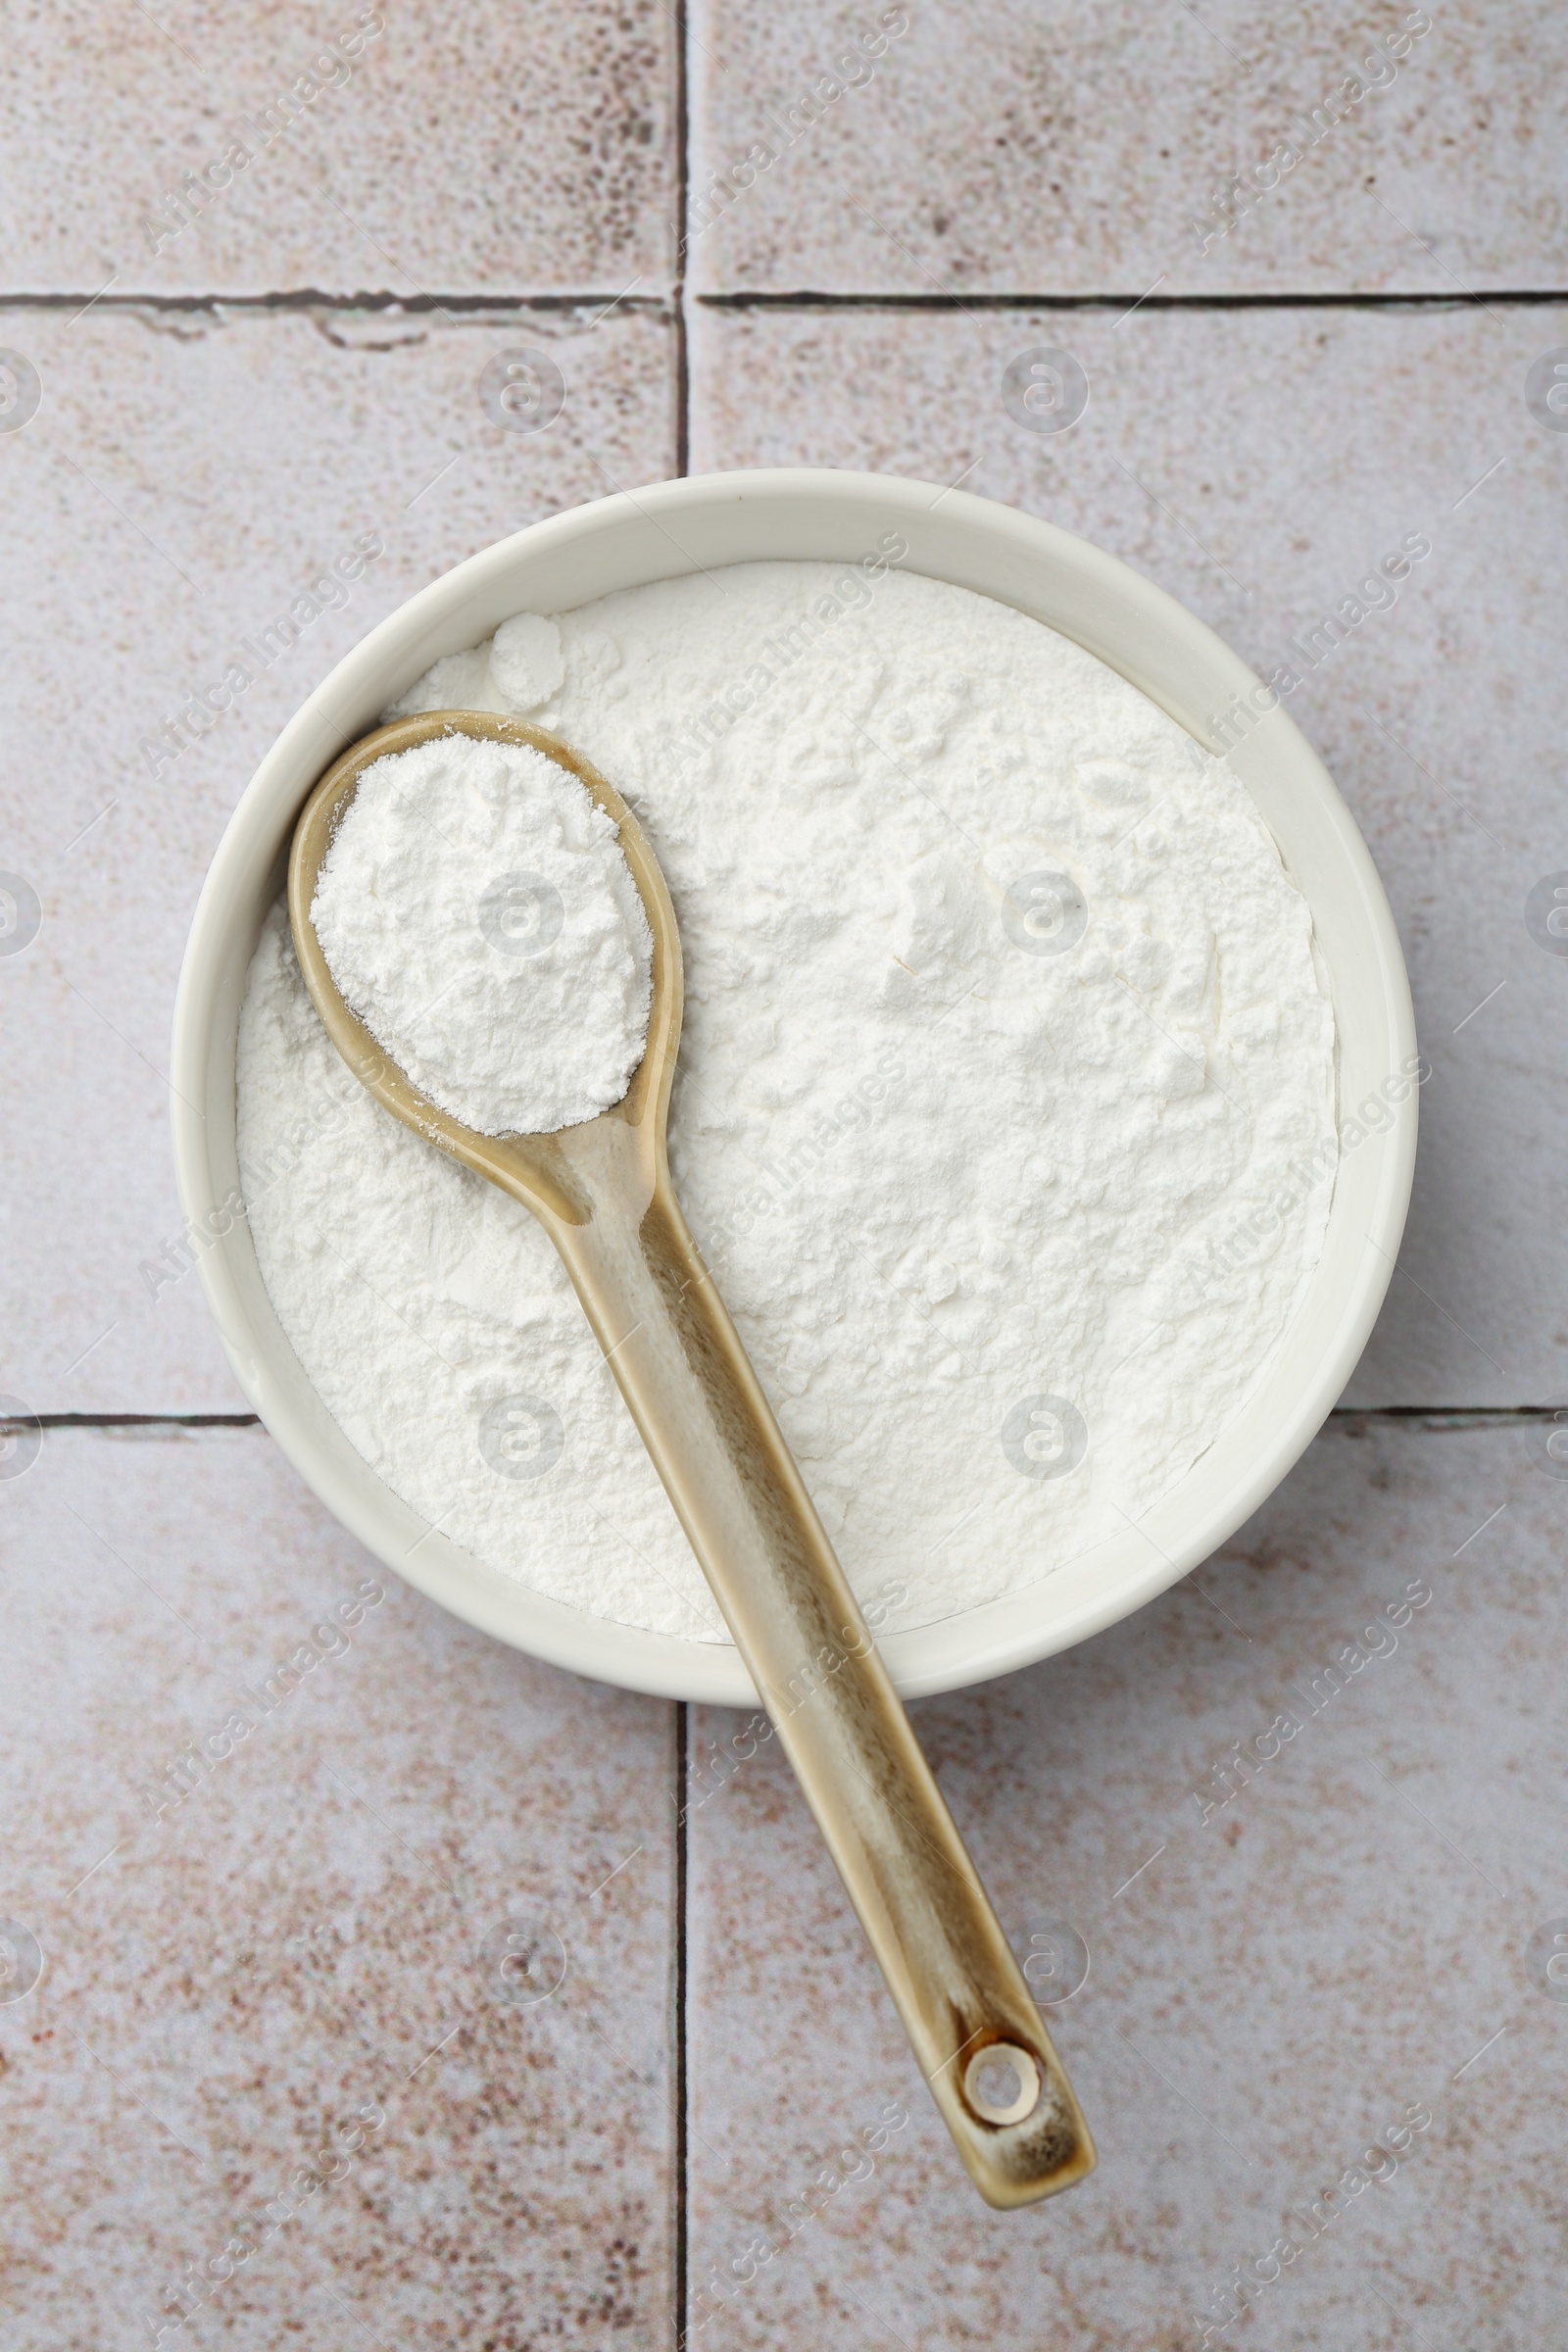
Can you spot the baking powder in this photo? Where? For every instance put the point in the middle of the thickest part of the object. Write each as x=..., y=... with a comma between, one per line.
x=476, y=911
x=1000, y=1014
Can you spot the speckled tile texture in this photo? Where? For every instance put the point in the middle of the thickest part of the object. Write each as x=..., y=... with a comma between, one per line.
x=1301, y=1817
x=1004, y=149
x=1258, y=463
x=192, y=149
x=271, y=1819
x=363, y=1983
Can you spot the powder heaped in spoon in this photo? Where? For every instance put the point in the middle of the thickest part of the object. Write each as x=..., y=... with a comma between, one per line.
x=477, y=913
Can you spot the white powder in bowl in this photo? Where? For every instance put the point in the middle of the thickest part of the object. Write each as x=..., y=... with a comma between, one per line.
x=1003, y=1053
x=526, y=665
x=476, y=911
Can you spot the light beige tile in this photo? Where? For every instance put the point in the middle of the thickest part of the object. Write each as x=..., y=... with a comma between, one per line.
x=1258, y=465
x=303, y=1933
x=504, y=150
x=1269, y=1988
x=1013, y=150
x=182, y=483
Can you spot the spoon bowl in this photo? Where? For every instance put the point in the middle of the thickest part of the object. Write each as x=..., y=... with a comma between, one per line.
x=536, y=1170
x=602, y=1190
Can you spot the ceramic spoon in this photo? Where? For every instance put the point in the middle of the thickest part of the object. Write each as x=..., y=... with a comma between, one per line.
x=603, y=1193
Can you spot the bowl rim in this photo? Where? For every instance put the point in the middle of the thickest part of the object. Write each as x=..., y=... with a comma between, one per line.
x=1076, y=587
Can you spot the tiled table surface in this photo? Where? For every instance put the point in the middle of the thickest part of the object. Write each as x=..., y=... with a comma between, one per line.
x=306, y=1942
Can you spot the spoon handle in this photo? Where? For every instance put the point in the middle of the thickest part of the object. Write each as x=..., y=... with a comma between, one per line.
x=740, y=1500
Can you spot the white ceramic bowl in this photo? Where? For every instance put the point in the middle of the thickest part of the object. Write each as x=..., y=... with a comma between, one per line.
x=728, y=519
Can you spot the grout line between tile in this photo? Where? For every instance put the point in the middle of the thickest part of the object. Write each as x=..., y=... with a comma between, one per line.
x=316, y=298
x=683, y=148
x=678, y=2281
x=130, y=1420
x=811, y=299
x=672, y=305
x=683, y=392
x=1452, y=1417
